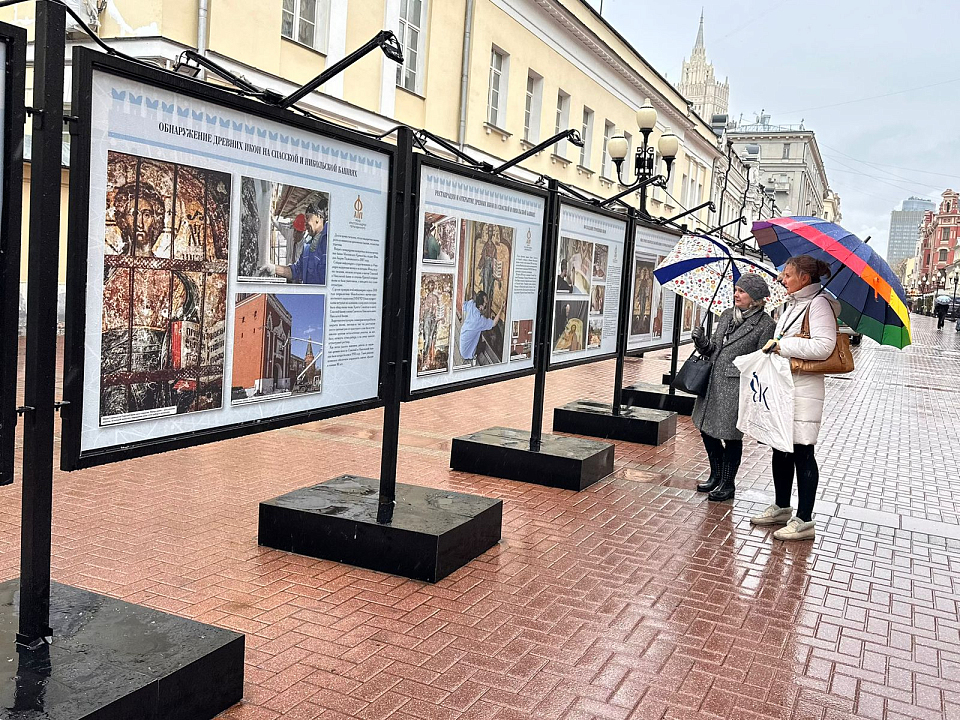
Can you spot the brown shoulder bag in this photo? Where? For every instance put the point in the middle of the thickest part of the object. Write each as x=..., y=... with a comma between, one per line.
x=839, y=362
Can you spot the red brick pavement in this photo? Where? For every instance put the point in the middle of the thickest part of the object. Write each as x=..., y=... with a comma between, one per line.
x=633, y=599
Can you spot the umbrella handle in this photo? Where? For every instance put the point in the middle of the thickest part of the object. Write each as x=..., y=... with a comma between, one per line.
x=715, y=292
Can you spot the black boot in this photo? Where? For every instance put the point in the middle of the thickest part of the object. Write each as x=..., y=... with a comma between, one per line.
x=711, y=482
x=726, y=489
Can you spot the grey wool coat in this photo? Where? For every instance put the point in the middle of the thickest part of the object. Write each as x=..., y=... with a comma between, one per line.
x=716, y=413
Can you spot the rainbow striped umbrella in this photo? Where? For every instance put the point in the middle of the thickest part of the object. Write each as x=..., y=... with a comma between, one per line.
x=871, y=297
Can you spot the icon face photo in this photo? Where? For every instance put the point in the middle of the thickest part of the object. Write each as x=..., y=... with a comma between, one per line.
x=164, y=289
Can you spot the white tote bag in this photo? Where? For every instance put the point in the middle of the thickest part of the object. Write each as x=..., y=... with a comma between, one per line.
x=766, y=399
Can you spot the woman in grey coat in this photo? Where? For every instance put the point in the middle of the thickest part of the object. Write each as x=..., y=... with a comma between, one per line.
x=743, y=329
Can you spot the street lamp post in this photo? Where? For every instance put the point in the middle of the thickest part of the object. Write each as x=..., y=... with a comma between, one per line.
x=644, y=161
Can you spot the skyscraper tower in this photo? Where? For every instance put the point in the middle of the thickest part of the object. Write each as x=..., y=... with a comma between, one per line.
x=905, y=229
x=698, y=84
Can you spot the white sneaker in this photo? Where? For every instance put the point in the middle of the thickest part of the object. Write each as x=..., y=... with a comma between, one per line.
x=797, y=529
x=773, y=515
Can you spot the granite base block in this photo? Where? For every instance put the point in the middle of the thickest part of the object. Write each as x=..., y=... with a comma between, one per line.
x=596, y=419
x=658, y=397
x=431, y=532
x=110, y=660
x=561, y=462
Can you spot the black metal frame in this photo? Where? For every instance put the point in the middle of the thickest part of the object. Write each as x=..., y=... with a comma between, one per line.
x=39, y=386
x=85, y=62
x=435, y=163
x=588, y=207
x=11, y=211
x=397, y=294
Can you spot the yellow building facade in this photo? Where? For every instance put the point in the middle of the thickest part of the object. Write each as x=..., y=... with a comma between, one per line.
x=494, y=77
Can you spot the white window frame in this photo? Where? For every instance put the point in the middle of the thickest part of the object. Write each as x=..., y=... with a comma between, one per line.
x=701, y=176
x=321, y=24
x=533, y=100
x=408, y=25
x=561, y=122
x=586, y=134
x=606, y=162
x=497, y=87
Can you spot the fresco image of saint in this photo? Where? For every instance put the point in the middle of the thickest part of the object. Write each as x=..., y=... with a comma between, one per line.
x=436, y=309
x=164, y=288
x=643, y=285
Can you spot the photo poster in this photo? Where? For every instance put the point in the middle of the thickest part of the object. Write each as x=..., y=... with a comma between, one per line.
x=235, y=267
x=651, y=307
x=586, y=307
x=477, y=280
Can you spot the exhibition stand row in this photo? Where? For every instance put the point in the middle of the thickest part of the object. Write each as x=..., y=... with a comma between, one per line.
x=234, y=266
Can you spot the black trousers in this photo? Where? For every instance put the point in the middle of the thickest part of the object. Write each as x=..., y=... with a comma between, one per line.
x=730, y=451
x=804, y=462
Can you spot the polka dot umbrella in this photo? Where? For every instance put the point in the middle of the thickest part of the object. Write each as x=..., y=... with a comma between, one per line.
x=705, y=271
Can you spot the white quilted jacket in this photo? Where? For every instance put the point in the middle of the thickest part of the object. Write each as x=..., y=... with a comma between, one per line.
x=808, y=388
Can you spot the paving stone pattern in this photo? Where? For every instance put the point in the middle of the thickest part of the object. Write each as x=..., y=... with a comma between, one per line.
x=633, y=599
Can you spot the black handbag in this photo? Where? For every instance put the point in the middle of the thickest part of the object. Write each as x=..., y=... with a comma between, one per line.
x=694, y=375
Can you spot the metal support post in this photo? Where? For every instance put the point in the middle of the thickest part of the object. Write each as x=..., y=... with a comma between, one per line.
x=398, y=274
x=675, y=350
x=544, y=323
x=11, y=179
x=626, y=303
x=41, y=356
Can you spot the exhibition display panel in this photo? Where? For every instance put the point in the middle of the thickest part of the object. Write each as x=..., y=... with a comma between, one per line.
x=477, y=278
x=554, y=460
x=658, y=319
x=652, y=308
x=226, y=266
x=629, y=303
x=589, y=271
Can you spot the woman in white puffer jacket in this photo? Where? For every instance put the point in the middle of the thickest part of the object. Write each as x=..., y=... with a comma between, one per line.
x=801, y=277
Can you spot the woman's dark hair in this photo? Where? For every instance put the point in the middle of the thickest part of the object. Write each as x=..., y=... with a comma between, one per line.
x=816, y=269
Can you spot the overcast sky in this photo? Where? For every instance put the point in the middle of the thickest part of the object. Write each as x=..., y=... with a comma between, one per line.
x=792, y=58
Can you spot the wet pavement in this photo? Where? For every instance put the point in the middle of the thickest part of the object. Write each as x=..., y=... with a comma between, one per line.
x=635, y=598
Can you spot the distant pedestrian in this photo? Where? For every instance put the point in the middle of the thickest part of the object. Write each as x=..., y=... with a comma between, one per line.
x=801, y=276
x=941, y=310
x=741, y=330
